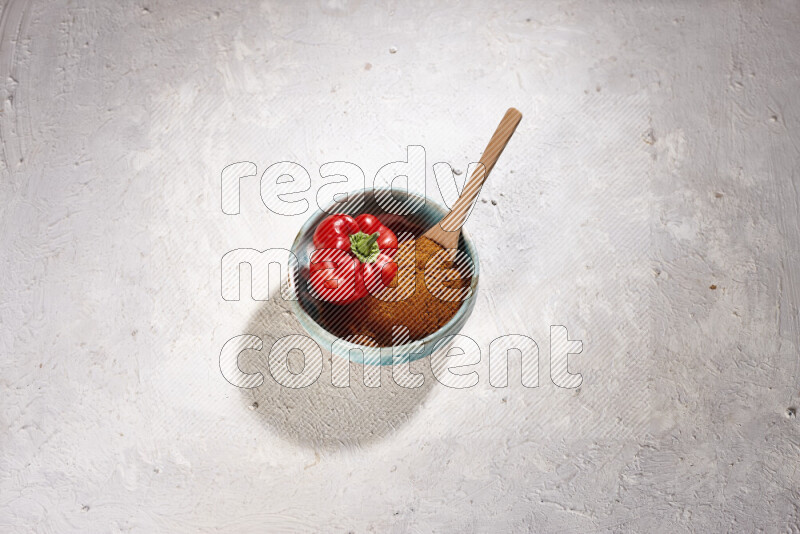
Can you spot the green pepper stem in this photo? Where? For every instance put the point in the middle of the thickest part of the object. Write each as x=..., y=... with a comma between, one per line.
x=365, y=246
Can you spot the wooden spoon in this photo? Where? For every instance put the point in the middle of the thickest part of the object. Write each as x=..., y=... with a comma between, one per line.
x=447, y=232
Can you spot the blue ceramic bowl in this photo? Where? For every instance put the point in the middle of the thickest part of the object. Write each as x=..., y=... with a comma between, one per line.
x=428, y=214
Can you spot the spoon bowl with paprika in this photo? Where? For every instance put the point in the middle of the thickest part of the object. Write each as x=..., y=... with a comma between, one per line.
x=363, y=330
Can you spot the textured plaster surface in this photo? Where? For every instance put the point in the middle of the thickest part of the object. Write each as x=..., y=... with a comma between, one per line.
x=649, y=202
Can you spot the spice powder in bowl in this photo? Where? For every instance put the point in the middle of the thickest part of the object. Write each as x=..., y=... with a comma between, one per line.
x=403, y=303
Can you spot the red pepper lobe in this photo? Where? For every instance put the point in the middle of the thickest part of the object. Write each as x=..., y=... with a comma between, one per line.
x=369, y=224
x=336, y=276
x=387, y=240
x=334, y=232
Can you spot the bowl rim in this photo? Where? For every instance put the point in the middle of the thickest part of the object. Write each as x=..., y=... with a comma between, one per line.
x=435, y=336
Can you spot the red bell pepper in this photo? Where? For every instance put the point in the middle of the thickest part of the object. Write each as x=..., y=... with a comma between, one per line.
x=352, y=257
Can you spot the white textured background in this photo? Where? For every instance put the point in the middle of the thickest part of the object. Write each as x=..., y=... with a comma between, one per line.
x=658, y=156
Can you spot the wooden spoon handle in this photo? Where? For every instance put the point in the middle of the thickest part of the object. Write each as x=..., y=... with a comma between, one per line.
x=462, y=207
